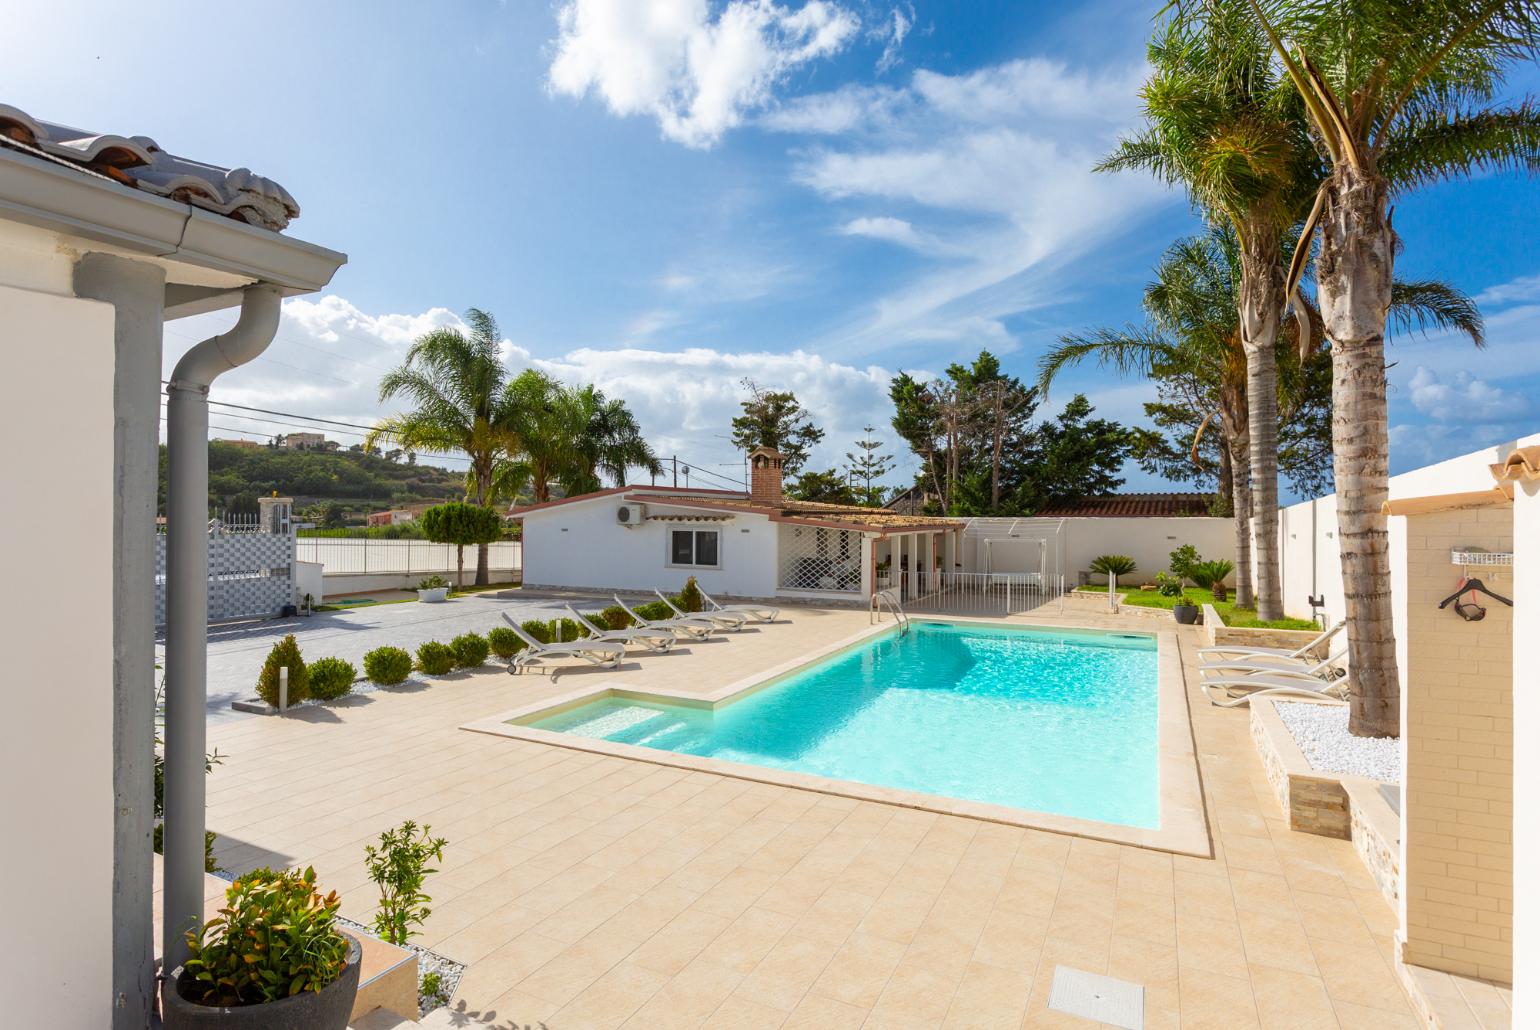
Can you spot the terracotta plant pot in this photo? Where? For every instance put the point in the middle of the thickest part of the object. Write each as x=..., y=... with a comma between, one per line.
x=326, y=1009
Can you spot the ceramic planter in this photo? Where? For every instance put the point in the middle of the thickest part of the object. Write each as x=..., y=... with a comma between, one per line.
x=1186, y=614
x=326, y=1009
x=433, y=595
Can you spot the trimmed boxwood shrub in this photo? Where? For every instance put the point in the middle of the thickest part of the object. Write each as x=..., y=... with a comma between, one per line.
x=285, y=654
x=689, y=598
x=613, y=617
x=387, y=666
x=470, y=650
x=435, y=658
x=330, y=678
x=504, y=642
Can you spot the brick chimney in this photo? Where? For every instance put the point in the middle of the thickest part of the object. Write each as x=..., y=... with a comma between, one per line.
x=765, y=476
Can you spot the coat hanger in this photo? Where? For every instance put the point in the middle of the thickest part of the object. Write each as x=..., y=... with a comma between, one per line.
x=1474, y=586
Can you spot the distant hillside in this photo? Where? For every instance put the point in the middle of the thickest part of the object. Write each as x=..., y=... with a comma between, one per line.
x=359, y=482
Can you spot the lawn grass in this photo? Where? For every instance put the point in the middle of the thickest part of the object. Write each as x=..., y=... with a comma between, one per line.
x=1233, y=616
x=471, y=588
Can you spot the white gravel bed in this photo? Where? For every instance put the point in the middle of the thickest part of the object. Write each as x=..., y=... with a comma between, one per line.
x=1321, y=731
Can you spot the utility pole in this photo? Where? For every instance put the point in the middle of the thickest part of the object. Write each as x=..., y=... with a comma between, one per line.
x=676, y=471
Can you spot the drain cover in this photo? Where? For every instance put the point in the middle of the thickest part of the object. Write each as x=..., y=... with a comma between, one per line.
x=1099, y=998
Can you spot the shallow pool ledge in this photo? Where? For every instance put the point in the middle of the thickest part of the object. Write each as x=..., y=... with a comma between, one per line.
x=1183, y=822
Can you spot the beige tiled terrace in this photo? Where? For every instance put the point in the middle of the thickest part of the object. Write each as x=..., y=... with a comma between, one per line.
x=590, y=891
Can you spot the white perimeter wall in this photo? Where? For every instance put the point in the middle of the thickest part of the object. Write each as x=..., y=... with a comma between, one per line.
x=1526, y=757
x=1080, y=540
x=581, y=545
x=56, y=742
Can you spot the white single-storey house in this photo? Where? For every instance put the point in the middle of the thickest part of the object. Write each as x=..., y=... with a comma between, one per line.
x=756, y=544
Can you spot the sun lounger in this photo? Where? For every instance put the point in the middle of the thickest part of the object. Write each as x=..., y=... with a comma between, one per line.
x=1279, y=652
x=1271, y=663
x=757, y=612
x=700, y=629
x=652, y=639
x=595, y=652
x=727, y=620
x=1239, y=690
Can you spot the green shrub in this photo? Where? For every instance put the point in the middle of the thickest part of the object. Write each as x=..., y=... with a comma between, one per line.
x=432, y=986
x=1183, y=560
x=689, y=598
x=387, y=666
x=1211, y=576
x=654, y=610
x=1168, y=585
x=400, y=867
x=275, y=937
x=1118, y=565
x=504, y=642
x=470, y=650
x=613, y=617
x=432, y=583
x=539, y=629
x=285, y=654
x=330, y=678
x=435, y=658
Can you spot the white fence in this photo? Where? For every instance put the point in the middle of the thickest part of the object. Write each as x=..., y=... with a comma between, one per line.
x=978, y=593
x=368, y=555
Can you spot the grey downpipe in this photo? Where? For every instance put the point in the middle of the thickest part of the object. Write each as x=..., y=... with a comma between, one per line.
x=187, y=599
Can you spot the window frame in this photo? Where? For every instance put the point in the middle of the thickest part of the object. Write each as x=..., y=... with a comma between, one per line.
x=668, y=547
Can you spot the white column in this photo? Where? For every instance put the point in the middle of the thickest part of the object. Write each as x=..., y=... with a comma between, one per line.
x=1526, y=759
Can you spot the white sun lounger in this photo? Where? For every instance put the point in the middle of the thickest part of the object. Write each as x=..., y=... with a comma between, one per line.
x=1279, y=663
x=1278, y=652
x=700, y=629
x=757, y=612
x=727, y=620
x=595, y=652
x=1239, y=690
x=652, y=639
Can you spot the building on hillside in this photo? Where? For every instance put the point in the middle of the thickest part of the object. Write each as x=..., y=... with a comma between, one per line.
x=304, y=441
x=754, y=544
x=248, y=444
x=103, y=239
x=1132, y=506
x=403, y=513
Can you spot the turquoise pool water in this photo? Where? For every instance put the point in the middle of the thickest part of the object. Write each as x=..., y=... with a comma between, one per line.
x=1044, y=720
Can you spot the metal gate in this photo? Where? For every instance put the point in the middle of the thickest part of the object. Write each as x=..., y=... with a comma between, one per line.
x=979, y=593
x=250, y=569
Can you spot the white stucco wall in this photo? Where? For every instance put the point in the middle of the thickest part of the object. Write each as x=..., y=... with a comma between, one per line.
x=1080, y=540
x=581, y=545
x=56, y=747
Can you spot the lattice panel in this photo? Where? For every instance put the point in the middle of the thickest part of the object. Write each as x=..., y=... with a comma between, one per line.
x=820, y=559
x=249, y=575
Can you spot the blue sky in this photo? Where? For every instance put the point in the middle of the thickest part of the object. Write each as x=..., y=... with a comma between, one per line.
x=666, y=197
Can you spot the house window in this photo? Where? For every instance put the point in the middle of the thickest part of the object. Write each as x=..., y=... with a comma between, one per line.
x=695, y=548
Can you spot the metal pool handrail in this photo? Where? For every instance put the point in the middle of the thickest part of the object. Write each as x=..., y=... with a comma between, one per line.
x=887, y=597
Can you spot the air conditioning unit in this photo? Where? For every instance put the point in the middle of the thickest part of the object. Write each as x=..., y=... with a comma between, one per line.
x=631, y=514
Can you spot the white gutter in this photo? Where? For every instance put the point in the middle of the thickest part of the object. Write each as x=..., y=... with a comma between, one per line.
x=187, y=601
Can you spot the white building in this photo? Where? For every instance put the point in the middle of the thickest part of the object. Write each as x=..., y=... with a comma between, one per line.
x=754, y=544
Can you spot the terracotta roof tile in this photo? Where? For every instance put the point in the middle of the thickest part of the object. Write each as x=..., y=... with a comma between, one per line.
x=1132, y=506
x=1523, y=463
x=139, y=162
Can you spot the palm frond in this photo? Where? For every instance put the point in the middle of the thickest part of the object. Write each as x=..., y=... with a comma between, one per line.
x=1435, y=145
x=1430, y=306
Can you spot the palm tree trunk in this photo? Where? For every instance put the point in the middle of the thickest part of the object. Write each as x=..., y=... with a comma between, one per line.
x=1240, y=500
x=483, y=487
x=1353, y=274
x=1261, y=308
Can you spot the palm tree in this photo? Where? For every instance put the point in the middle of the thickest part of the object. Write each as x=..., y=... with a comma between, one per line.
x=1220, y=122
x=610, y=442
x=454, y=381
x=1398, y=95
x=568, y=437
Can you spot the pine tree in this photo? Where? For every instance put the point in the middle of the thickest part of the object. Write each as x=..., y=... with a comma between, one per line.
x=867, y=465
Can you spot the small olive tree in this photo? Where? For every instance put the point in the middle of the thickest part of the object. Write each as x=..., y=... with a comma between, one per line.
x=464, y=525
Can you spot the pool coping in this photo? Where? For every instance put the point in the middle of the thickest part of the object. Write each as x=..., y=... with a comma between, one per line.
x=1183, y=820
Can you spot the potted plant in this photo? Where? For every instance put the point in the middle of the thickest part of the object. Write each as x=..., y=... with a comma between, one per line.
x=1185, y=611
x=272, y=958
x=434, y=589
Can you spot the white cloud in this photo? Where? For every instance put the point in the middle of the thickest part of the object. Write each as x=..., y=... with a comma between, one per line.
x=1524, y=288
x=892, y=33
x=671, y=60
x=837, y=112
x=1032, y=86
x=1463, y=398
x=893, y=230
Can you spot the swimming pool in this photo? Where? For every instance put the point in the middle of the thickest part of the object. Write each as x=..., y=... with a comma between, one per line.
x=1048, y=720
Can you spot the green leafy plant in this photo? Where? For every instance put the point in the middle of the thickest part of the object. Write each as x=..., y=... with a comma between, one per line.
x=387, y=666
x=613, y=617
x=462, y=525
x=435, y=659
x=504, y=642
x=470, y=650
x=284, y=655
x=331, y=678
x=1183, y=600
x=1210, y=575
x=432, y=986
x=399, y=866
x=1183, y=560
x=1114, y=565
x=1168, y=585
x=432, y=583
x=274, y=938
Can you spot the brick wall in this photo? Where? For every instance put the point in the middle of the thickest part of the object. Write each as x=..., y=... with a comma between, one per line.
x=1457, y=828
